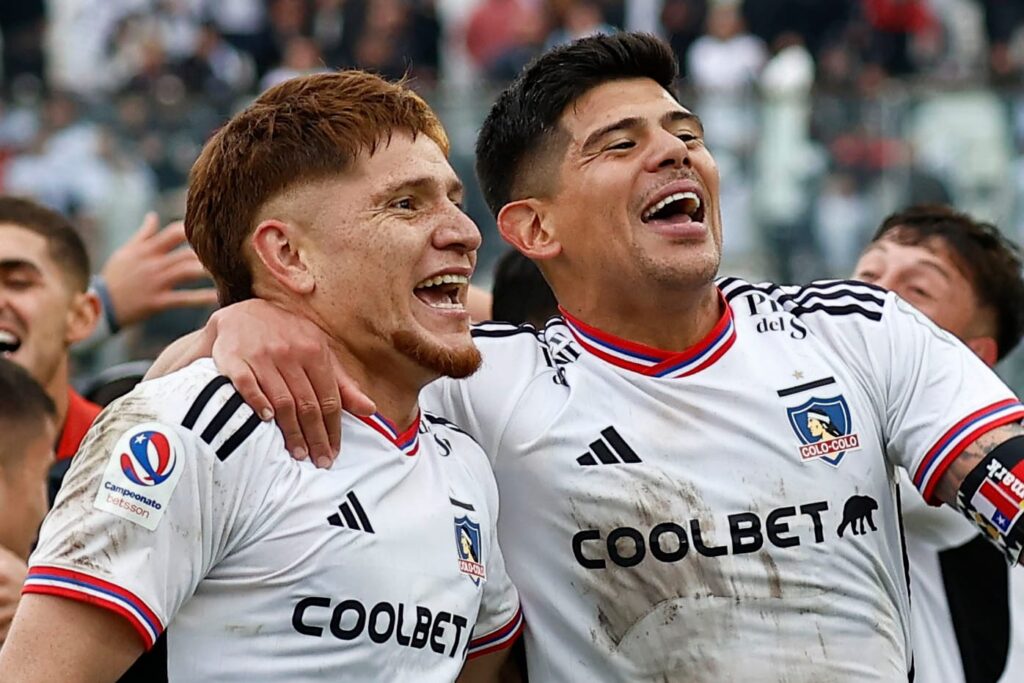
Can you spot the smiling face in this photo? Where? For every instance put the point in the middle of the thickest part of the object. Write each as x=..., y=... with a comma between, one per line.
x=35, y=304
x=390, y=254
x=636, y=204
x=927, y=276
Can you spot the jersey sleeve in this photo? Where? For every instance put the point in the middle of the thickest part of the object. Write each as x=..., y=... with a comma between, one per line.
x=146, y=510
x=514, y=357
x=934, y=396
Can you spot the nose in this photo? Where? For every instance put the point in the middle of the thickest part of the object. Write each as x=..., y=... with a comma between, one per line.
x=458, y=232
x=668, y=151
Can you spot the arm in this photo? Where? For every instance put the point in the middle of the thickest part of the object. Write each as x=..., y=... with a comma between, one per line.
x=282, y=366
x=54, y=639
x=141, y=278
x=496, y=667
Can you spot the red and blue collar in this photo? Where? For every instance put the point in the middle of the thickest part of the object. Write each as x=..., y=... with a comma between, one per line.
x=653, y=362
x=408, y=441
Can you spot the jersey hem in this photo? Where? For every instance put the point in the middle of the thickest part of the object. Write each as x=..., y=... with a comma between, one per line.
x=499, y=639
x=73, y=585
x=956, y=440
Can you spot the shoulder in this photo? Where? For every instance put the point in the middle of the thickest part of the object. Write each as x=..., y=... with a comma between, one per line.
x=197, y=402
x=821, y=300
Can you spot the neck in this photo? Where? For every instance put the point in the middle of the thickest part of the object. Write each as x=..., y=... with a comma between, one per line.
x=57, y=388
x=673, y=322
x=386, y=379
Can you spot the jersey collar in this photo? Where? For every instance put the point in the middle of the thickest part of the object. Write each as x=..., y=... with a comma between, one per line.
x=653, y=362
x=408, y=441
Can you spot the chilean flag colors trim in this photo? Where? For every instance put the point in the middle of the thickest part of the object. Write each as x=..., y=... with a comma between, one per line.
x=959, y=437
x=84, y=588
x=408, y=441
x=653, y=362
x=498, y=639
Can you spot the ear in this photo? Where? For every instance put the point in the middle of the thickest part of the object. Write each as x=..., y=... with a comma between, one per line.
x=984, y=348
x=277, y=247
x=83, y=315
x=521, y=223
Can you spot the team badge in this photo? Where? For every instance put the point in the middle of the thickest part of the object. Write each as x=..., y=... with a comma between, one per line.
x=825, y=429
x=142, y=472
x=150, y=460
x=469, y=548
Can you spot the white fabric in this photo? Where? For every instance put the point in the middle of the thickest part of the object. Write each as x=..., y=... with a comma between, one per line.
x=246, y=566
x=719, y=455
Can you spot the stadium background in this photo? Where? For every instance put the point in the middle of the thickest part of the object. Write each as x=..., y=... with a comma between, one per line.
x=823, y=115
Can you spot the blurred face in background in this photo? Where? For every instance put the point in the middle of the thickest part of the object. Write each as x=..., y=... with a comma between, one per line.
x=41, y=314
x=23, y=484
x=927, y=276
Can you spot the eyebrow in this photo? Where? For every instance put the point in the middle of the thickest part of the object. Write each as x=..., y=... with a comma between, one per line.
x=8, y=265
x=421, y=184
x=632, y=122
x=918, y=263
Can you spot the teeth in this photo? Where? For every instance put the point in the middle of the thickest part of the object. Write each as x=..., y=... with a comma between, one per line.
x=677, y=197
x=447, y=305
x=443, y=280
x=8, y=337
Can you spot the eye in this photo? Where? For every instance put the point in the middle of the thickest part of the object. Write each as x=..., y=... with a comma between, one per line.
x=866, y=276
x=687, y=137
x=403, y=204
x=919, y=292
x=624, y=144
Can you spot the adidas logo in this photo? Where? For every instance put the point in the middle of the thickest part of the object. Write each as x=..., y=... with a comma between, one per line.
x=351, y=515
x=616, y=451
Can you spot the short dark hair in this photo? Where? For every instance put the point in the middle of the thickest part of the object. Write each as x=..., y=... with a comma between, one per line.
x=990, y=261
x=65, y=244
x=521, y=294
x=24, y=404
x=521, y=131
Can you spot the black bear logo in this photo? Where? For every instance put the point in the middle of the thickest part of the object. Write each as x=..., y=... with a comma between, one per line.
x=858, y=510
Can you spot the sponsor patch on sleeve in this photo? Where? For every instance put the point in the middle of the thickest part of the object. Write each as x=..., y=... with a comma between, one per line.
x=141, y=474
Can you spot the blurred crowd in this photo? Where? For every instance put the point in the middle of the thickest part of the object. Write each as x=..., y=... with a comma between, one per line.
x=823, y=116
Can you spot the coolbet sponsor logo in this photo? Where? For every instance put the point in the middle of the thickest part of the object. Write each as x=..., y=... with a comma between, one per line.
x=413, y=626
x=141, y=474
x=671, y=541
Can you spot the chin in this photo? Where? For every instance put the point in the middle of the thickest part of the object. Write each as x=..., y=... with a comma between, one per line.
x=447, y=360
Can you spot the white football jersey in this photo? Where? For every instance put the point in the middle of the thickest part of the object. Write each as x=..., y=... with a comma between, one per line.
x=183, y=511
x=729, y=512
x=970, y=627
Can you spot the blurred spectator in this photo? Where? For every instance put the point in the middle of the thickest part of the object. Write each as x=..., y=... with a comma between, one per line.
x=683, y=22
x=894, y=23
x=301, y=57
x=580, y=18
x=28, y=423
x=724, y=66
x=503, y=35
x=45, y=307
x=215, y=68
x=22, y=24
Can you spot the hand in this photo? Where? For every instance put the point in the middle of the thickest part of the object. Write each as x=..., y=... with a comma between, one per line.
x=12, y=576
x=283, y=367
x=142, y=275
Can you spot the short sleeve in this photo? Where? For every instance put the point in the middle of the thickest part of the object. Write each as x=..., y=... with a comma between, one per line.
x=145, y=511
x=500, y=619
x=513, y=358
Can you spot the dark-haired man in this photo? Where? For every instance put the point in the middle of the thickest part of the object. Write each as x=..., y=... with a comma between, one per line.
x=332, y=196
x=666, y=510
x=966, y=277
x=28, y=424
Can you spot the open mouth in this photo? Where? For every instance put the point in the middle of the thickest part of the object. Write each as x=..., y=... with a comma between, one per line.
x=443, y=292
x=677, y=207
x=9, y=343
